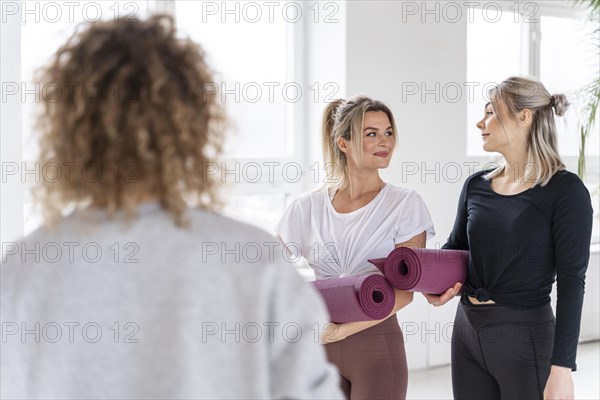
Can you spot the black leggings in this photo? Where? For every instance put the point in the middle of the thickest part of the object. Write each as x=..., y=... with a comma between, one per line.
x=501, y=352
x=372, y=363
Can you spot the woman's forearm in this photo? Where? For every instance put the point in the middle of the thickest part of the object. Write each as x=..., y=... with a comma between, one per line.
x=403, y=298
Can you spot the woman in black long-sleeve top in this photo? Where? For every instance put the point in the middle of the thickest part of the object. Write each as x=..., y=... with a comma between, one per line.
x=525, y=223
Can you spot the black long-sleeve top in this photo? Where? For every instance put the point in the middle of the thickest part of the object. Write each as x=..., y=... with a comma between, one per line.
x=520, y=243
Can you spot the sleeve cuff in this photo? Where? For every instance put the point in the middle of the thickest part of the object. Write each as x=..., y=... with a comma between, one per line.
x=429, y=229
x=564, y=363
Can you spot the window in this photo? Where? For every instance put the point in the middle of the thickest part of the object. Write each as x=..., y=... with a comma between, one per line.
x=45, y=28
x=254, y=72
x=36, y=29
x=568, y=61
x=252, y=49
x=557, y=50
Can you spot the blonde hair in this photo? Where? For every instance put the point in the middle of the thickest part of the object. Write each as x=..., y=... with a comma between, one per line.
x=516, y=94
x=150, y=129
x=344, y=119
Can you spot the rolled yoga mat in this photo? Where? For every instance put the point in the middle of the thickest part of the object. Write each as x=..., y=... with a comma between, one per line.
x=357, y=298
x=424, y=270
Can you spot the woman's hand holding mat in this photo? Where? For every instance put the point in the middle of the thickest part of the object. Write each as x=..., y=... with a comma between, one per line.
x=445, y=297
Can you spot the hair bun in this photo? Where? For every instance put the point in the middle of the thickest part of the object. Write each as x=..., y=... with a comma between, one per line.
x=560, y=104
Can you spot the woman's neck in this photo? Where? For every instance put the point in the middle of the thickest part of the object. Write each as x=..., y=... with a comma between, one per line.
x=516, y=167
x=362, y=182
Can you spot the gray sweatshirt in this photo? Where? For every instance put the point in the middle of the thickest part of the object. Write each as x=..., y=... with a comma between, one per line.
x=108, y=309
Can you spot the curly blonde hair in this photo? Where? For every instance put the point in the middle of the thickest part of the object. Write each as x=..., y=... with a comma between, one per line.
x=126, y=113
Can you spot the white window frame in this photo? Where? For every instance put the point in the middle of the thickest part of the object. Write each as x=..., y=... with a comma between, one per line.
x=553, y=9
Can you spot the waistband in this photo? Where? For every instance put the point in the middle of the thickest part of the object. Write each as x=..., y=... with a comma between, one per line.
x=496, y=314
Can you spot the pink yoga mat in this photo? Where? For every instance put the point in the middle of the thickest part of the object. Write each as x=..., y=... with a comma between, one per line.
x=357, y=298
x=424, y=270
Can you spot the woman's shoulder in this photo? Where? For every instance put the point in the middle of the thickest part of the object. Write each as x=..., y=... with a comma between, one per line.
x=317, y=194
x=566, y=183
x=399, y=190
x=309, y=199
x=565, y=177
x=477, y=178
x=401, y=194
x=479, y=175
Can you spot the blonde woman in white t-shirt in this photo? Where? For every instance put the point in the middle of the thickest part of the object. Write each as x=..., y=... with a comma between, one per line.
x=358, y=217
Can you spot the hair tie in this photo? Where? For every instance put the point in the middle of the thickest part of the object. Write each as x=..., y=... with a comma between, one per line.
x=552, y=101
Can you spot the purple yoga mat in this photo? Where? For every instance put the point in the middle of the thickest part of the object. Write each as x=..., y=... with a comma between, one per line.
x=357, y=298
x=424, y=270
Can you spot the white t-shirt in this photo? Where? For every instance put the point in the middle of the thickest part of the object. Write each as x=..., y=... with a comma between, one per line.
x=339, y=244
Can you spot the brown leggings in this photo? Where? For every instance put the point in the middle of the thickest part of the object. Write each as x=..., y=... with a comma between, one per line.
x=372, y=363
